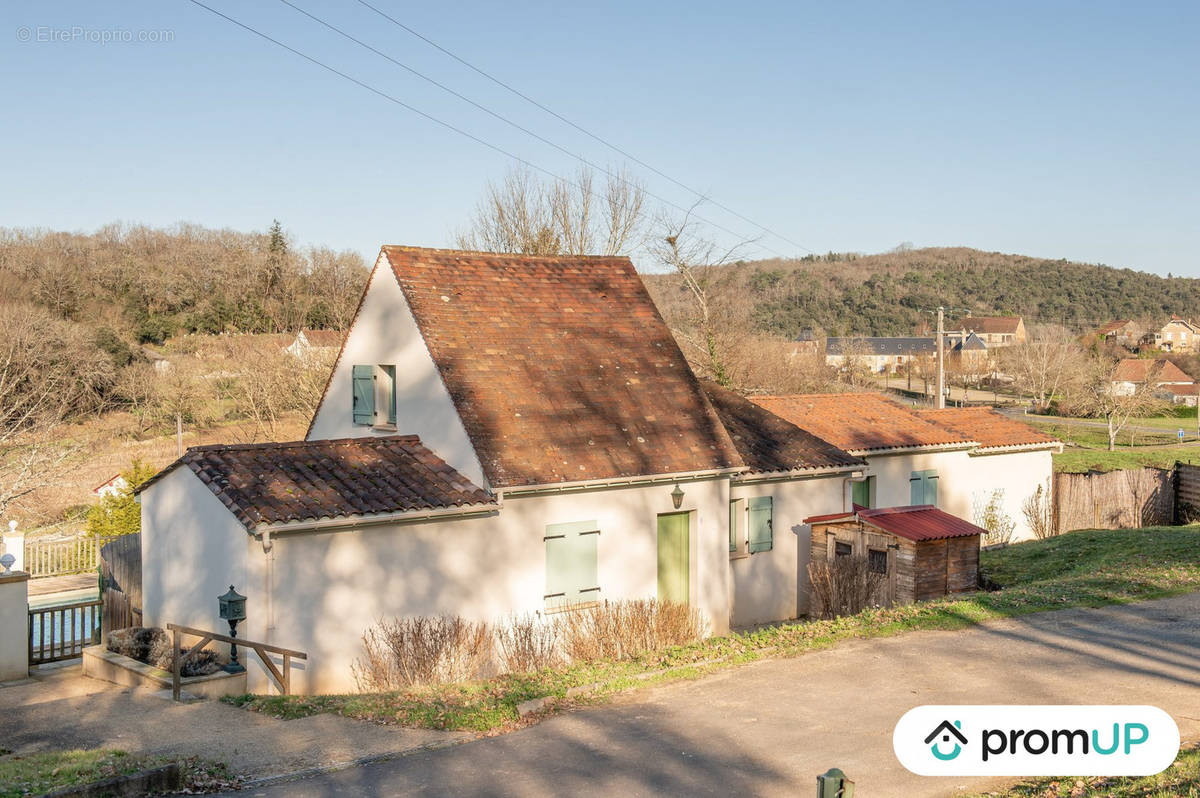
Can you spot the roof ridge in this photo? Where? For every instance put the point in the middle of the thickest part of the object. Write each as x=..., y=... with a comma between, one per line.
x=245, y=447
x=505, y=255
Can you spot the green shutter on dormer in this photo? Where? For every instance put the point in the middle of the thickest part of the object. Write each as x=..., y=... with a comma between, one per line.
x=364, y=394
x=760, y=522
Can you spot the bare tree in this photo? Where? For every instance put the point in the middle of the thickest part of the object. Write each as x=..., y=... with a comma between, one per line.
x=1046, y=364
x=528, y=215
x=716, y=324
x=1100, y=397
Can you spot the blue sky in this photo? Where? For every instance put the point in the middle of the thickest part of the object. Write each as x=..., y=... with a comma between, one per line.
x=1052, y=129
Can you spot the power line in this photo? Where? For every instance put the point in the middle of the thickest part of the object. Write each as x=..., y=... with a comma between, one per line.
x=434, y=119
x=515, y=125
x=580, y=128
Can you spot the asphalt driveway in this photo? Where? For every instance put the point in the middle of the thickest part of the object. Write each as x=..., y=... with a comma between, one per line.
x=769, y=728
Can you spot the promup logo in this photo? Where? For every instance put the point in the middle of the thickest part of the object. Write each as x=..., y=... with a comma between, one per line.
x=946, y=730
x=1036, y=740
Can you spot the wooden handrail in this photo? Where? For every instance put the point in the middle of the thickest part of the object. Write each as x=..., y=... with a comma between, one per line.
x=282, y=679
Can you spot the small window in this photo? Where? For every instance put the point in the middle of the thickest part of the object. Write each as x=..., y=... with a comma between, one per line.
x=374, y=395
x=863, y=493
x=877, y=561
x=759, y=523
x=842, y=549
x=571, y=564
x=737, y=528
x=923, y=487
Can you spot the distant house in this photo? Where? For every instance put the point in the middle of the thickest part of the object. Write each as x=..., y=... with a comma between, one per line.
x=804, y=344
x=1123, y=331
x=879, y=355
x=1173, y=383
x=311, y=342
x=996, y=331
x=113, y=486
x=1177, y=335
x=971, y=354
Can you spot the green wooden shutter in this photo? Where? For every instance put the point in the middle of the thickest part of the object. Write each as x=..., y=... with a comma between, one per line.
x=760, y=522
x=916, y=489
x=923, y=487
x=860, y=494
x=364, y=394
x=571, y=563
x=931, y=488
x=390, y=393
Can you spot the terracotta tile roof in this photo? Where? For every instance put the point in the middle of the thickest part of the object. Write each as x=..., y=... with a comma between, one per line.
x=983, y=424
x=1191, y=389
x=859, y=422
x=918, y=522
x=991, y=324
x=269, y=483
x=561, y=368
x=1112, y=326
x=766, y=442
x=324, y=339
x=1137, y=369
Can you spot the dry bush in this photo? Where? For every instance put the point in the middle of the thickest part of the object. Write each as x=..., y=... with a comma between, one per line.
x=527, y=643
x=623, y=629
x=403, y=652
x=152, y=646
x=843, y=586
x=1039, y=513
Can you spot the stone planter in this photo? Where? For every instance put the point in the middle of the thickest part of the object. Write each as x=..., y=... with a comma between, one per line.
x=100, y=663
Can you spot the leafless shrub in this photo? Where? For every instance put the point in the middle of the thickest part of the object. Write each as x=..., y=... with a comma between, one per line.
x=403, y=652
x=623, y=629
x=989, y=513
x=843, y=586
x=152, y=646
x=527, y=643
x=1039, y=513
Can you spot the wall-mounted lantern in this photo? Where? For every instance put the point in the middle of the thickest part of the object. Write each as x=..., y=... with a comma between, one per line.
x=232, y=607
x=677, y=497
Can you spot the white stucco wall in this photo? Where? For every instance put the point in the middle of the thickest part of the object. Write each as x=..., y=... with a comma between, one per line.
x=773, y=585
x=385, y=333
x=14, y=626
x=330, y=587
x=1018, y=474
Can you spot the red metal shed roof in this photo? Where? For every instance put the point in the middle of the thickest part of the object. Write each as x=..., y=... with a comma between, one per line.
x=918, y=522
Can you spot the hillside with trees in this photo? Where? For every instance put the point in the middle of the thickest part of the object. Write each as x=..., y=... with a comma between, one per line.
x=889, y=293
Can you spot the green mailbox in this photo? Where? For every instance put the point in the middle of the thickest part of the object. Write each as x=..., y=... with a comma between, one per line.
x=834, y=784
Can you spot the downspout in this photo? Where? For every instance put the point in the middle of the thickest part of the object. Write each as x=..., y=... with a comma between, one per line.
x=268, y=546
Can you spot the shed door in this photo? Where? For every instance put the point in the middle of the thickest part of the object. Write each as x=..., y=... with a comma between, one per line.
x=673, y=539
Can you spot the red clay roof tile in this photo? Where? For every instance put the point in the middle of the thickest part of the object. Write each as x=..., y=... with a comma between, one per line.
x=984, y=425
x=859, y=421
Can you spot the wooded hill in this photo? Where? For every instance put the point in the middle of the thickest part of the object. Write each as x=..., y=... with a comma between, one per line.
x=887, y=294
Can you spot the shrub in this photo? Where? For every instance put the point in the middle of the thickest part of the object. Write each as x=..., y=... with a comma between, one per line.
x=1039, y=513
x=622, y=629
x=527, y=643
x=119, y=513
x=843, y=586
x=153, y=646
x=404, y=652
x=990, y=515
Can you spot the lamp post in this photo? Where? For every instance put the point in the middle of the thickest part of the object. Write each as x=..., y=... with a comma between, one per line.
x=232, y=608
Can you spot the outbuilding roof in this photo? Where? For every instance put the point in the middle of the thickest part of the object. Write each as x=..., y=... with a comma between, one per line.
x=991, y=325
x=917, y=522
x=275, y=483
x=990, y=429
x=768, y=443
x=860, y=422
x=561, y=368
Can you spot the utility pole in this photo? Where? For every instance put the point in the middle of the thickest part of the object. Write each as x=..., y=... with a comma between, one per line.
x=941, y=363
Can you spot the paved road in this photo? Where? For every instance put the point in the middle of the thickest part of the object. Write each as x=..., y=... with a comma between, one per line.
x=768, y=728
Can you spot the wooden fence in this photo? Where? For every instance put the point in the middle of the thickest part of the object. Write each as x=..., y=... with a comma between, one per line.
x=121, y=582
x=1187, y=493
x=62, y=632
x=1114, y=500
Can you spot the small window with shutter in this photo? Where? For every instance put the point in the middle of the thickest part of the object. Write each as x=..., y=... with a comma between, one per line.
x=374, y=395
x=759, y=523
x=923, y=487
x=572, y=564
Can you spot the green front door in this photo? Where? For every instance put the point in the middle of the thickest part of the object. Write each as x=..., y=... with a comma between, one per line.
x=673, y=557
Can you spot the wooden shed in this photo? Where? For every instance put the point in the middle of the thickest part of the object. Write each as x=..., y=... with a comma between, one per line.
x=924, y=552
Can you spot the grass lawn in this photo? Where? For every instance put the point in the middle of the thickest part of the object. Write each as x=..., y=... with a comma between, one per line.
x=1087, y=446
x=1075, y=460
x=1088, y=568
x=1181, y=780
x=35, y=774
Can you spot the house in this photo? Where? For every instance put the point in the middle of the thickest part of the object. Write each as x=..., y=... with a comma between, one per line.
x=1177, y=335
x=1172, y=380
x=969, y=355
x=1124, y=332
x=804, y=344
x=311, y=343
x=996, y=331
x=921, y=551
x=955, y=459
x=113, y=486
x=500, y=434
x=880, y=355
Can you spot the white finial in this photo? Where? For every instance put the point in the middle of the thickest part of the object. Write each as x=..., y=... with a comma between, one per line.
x=12, y=527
